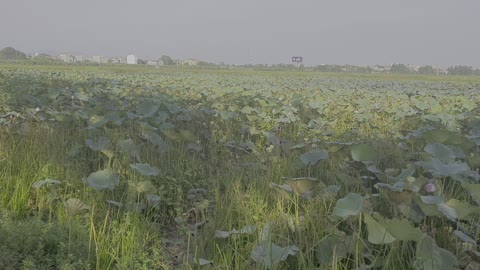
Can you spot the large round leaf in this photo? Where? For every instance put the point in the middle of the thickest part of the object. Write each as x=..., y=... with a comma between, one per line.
x=312, y=157
x=104, y=179
x=351, y=205
x=377, y=233
x=363, y=152
x=98, y=144
x=145, y=169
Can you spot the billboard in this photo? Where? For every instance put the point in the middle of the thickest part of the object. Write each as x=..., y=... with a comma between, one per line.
x=297, y=59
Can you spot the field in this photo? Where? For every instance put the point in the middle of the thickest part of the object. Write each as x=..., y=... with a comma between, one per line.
x=136, y=168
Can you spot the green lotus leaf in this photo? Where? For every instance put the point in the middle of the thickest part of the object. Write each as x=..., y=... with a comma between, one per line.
x=186, y=117
x=81, y=96
x=249, y=229
x=377, y=232
x=271, y=255
x=202, y=262
x=462, y=208
x=430, y=257
x=474, y=190
x=428, y=209
x=115, y=203
x=465, y=238
x=104, y=179
x=409, y=171
x=130, y=148
x=40, y=184
x=153, y=200
x=226, y=115
x=401, y=229
x=98, y=144
x=145, y=169
x=456, y=170
x=312, y=157
x=171, y=134
x=146, y=186
x=442, y=152
x=432, y=199
x=350, y=205
x=363, y=152
x=447, y=137
x=247, y=110
x=330, y=246
x=97, y=121
x=447, y=211
x=187, y=135
x=157, y=140
x=298, y=146
x=75, y=206
x=136, y=207
x=147, y=109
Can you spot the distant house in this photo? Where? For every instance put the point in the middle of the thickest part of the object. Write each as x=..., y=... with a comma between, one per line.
x=80, y=58
x=191, y=62
x=99, y=59
x=154, y=62
x=67, y=58
x=132, y=59
x=118, y=60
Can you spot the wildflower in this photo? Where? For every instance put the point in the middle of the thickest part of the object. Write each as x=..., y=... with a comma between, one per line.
x=430, y=187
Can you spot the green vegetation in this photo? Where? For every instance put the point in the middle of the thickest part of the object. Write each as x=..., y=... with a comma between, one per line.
x=135, y=168
x=10, y=53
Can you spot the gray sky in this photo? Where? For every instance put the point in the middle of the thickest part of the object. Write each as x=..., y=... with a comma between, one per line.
x=359, y=32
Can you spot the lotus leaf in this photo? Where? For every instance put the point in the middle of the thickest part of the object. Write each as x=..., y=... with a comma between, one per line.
x=40, y=184
x=130, y=148
x=104, y=179
x=442, y=152
x=330, y=246
x=271, y=255
x=363, y=152
x=153, y=200
x=75, y=206
x=464, y=237
x=145, y=186
x=157, y=140
x=115, y=203
x=350, y=205
x=430, y=257
x=312, y=157
x=145, y=169
x=401, y=229
x=202, y=262
x=377, y=233
x=100, y=143
x=456, y=170
x=147, y=109
x=462, y=208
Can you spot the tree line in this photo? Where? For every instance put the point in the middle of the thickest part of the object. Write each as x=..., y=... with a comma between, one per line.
x=11, y=54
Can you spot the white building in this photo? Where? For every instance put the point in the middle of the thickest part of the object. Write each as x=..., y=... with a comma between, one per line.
x=118, y=60
x=67, y=58
x=80, y=58
x=131, y=59
x=99, y=59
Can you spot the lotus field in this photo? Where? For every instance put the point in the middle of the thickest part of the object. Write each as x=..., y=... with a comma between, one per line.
x=136, y=168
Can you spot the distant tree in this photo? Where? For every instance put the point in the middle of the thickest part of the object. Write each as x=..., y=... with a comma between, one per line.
x=460, y=70
x=428, y=70
x=44, y=59
x=167, y=60
x=399, y=68
x=10, y=53
x=141, y=62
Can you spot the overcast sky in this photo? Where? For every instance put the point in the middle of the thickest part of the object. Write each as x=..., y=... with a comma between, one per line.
x=358, y=32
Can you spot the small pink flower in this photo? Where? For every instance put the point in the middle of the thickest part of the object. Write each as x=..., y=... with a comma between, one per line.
x=430, y=187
